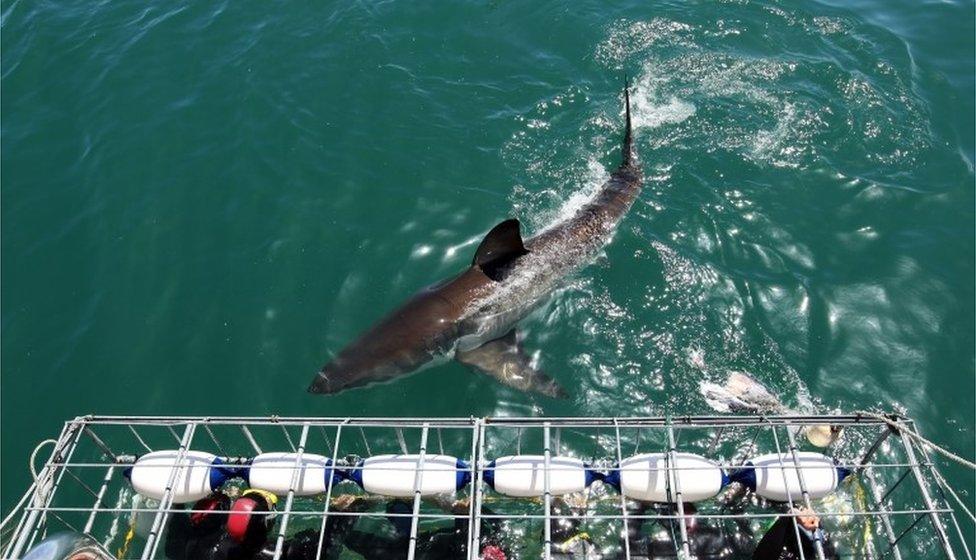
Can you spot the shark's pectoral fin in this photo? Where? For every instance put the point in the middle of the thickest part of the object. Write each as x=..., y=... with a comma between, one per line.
x=504, y=360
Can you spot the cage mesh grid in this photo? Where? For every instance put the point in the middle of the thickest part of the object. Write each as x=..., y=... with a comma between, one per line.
x=904, y=511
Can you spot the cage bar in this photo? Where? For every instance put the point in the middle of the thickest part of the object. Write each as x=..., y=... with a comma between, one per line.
x=900, y=479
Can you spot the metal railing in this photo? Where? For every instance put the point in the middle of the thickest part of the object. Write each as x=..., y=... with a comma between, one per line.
x=895, y=507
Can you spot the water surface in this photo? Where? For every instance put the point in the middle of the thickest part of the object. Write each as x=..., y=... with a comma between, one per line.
x=201, y=203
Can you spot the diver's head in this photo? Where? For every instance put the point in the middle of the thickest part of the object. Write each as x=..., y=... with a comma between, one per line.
x=492, y=552
x=207, y=513
x=249, y=517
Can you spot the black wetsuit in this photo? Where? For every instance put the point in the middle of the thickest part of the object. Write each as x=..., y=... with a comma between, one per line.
x=449, y=543
x=301, y=546
x=779, y=542
x=189, y=541
x=208, y=539
x=705, y=543
x=442, y=544
x=708, y=539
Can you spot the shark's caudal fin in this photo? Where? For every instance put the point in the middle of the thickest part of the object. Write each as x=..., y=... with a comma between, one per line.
x=628, y=148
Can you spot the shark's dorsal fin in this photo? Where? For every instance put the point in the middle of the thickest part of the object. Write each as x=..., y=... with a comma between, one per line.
x=499, y=249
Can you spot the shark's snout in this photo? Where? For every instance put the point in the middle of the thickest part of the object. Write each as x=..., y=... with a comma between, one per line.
x=350, y=371
x=321, y=385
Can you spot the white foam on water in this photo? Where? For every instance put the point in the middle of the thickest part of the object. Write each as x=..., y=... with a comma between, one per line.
x=594, y=178
x=675, y=66
x=647, y=108
x=626, y=39
x=829, y=25
x=648, y=111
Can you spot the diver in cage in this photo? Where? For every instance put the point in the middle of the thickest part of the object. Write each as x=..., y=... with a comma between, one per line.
x=447, y=543
x=652, y=538
x=192, y=535
x=707, y=538
x=220, y=530
x=304, y=545
x=243, y=531
x=237, y=532
x=569, y=539
x=790, y=534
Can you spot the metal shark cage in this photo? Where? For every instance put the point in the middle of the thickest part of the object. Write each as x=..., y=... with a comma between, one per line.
x=899, y=508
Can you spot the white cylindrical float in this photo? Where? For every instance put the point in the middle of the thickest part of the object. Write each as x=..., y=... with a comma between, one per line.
x=396, y=475
x=523, y=476
x=777, y=477
x=198, y=474
x=642, y=477
x=273, y=472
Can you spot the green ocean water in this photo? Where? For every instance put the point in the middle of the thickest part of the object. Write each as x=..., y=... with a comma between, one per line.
x=201, y=203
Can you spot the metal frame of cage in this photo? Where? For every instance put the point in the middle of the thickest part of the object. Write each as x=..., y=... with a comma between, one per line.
x=38, y=512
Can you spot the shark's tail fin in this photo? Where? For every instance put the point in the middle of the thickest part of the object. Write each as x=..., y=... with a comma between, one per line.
x=628, y=149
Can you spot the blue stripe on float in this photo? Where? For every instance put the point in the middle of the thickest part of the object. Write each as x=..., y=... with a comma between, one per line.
x=590, y=475
x=613, y=477
x=463, y=474
x=335, y=474
x=842, y=473
x=218, y=474
x=489, y=475
x=356, y=474
x=746, y=476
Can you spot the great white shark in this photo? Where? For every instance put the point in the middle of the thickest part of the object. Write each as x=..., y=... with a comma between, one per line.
x=472, y=316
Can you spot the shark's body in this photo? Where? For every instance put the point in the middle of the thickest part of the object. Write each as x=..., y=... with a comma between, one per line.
x=473, y=315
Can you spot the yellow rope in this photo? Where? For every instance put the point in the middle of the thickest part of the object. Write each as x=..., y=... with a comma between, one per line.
x=860, y=498
x=120, y=553
x=574, y=539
